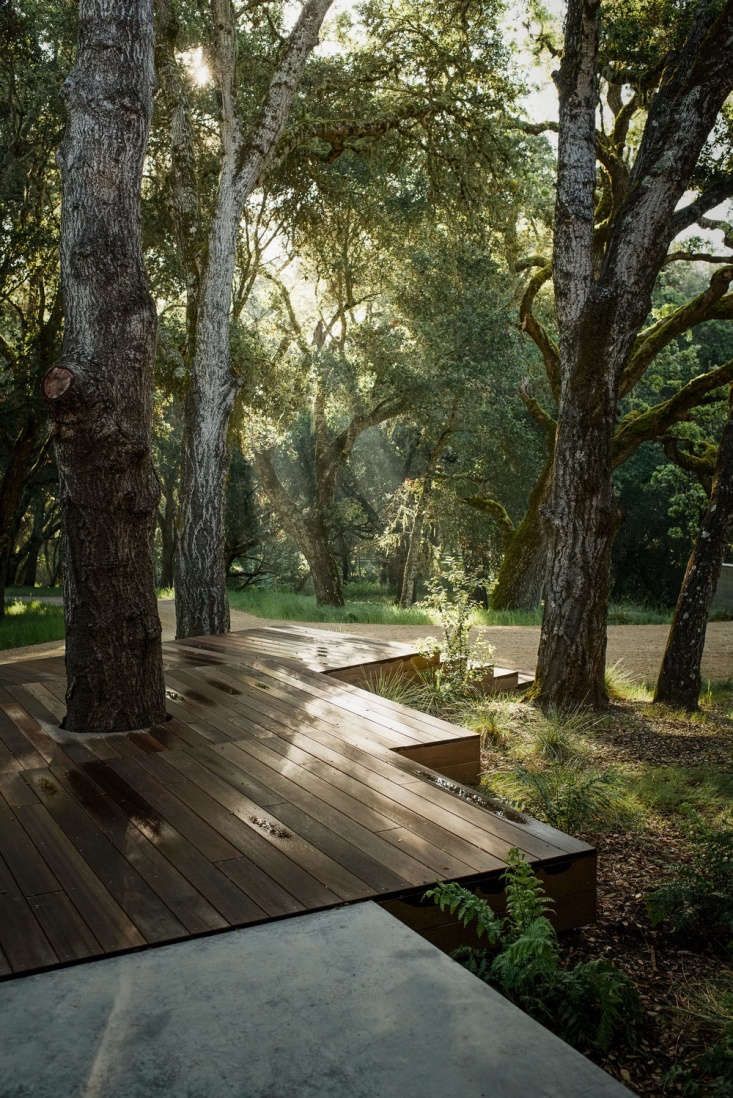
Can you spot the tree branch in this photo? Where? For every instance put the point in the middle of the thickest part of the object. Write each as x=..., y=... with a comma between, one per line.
x=711, y=304
x=529, y=323
x=638, y=427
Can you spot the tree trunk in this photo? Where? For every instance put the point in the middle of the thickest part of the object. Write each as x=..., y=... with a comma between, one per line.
x=520, y=583
x=603, y=284
x=201, y=598
x=12, y=487
x=414, y=545
x=679, y=677
x=31, y=550
x=322, y=561
x=100, y=393
x=582, y=517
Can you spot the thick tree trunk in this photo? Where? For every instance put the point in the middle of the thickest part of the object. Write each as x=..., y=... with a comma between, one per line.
x=582, y=517
x=100, y=393
x=520, y=583
x=679, y=677
x=603, y=285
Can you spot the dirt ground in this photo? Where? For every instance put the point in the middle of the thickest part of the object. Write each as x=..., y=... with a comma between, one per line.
x=638, y=647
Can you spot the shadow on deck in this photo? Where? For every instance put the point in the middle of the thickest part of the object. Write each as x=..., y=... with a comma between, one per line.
x=276, y=787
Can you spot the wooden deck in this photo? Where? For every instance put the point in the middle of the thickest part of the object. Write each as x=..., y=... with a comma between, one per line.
x=273, y=789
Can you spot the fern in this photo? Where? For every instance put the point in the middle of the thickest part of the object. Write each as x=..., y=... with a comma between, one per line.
x=468, y=909
x=526, y=900
x=596, y=1004
x=592, y=1005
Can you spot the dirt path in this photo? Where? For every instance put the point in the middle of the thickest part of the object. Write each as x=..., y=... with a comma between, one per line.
x=638, y=647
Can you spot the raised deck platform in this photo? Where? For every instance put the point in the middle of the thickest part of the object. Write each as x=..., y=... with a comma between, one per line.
x=274, y=789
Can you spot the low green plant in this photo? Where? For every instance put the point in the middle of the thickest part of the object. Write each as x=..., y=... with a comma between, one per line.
x=685, y=791
x=570, y=796
x=398, y=688
x=266, y=602
x=30, y=623
x=450, y=599
x=592, y=1005
x=708, y=1012
x=622, y=686
x=698, y=901
x=552, y=738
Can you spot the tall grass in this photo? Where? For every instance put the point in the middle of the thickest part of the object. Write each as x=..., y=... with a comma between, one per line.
x=288, y=606
x=30, y=623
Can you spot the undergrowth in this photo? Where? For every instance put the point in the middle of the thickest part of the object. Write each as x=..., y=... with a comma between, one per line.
x=697, y=902
x=591, y=1004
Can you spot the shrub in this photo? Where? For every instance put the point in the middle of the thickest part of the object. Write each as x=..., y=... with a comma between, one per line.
x=698, y=901
x=569, y=796
x=450, y=598
x=592, y=1005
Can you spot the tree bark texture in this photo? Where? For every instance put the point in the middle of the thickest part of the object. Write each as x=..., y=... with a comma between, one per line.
x=679, y=677
x=602, y=297
x=520, y=583
x=100, y=392
x=201, y=598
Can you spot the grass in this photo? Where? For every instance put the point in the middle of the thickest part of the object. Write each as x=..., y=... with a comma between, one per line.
x=374, y=605
x=30, y=623
x=35, y=592
x=289, y=606
x=681, y=791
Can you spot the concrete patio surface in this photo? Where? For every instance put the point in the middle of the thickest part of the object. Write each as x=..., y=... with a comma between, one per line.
x=347, y=1003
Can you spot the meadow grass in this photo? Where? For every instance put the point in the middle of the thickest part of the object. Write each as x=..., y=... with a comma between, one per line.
x=369, y=603
x=289, y=606
x=30, y=623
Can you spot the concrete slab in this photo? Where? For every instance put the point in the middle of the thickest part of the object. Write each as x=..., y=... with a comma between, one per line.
x=340, y=1004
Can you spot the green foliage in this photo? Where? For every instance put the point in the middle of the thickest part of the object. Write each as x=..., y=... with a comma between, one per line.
x=398, y=688
x=30, y=623
x=592, y=1005
x=684, y=792
x=621, y=684
x=469, y=910
x=570, y=796
x=698, y=901
x=708, y=1010
x=451, y=599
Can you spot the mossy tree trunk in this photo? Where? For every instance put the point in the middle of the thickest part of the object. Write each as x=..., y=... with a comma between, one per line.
x=679, y=677
x=520, y=582
x=603, y=283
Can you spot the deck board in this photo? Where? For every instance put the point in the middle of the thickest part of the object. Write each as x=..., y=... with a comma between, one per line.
x=273, y=789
